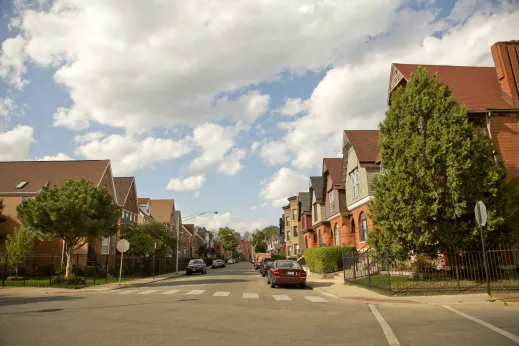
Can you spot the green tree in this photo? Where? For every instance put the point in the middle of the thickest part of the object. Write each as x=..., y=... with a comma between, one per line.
x=259, y=241
x=435, y=167
x=247, y=236
x=149, y=237
x=3, y=218
x=76, y=212
x=228, y=239
x=19, y=244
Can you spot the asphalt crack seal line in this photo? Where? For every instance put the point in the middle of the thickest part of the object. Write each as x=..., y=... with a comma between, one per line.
x=483, y=323
x=388, y=332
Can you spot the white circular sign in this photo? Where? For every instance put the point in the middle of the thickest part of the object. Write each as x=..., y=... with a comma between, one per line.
x=123, y=245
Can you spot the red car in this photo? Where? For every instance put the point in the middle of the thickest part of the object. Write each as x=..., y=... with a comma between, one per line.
x=286, y=273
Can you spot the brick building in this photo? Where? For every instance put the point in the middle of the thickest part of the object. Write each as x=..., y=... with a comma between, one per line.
x=245, y=248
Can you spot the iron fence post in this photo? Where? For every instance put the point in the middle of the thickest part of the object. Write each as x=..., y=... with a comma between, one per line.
x=484, y=252
x=355, y=267
x=106, y=268
x=51, y=269
x=141, y=261
x=77, y=271
x=388, y=268
x=369, y=270
x=25, y=269
x=456, y=267
x=5, y=270
x=95, y=267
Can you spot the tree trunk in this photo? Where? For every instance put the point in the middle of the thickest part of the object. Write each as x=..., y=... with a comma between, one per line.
x=68, y=271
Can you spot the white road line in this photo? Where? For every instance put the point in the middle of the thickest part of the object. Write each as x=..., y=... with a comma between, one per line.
x=316, y=299
x=250, y=295
x=483, y=323
x=221, y=294
x=128, y=291
x=171, y=292
x=281, y=297
x=148, y=292
x=390, y=336
x=196, y=292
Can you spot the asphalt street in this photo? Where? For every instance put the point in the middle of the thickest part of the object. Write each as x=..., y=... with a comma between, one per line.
x=235, y=306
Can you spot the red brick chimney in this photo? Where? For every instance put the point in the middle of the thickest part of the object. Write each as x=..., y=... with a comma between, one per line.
x=506, y=60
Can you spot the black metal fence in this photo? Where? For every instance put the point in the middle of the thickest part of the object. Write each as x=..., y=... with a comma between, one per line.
x=49, y=270
x=448, y=272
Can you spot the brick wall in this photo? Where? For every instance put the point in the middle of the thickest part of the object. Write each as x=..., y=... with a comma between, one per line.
x=504, y=130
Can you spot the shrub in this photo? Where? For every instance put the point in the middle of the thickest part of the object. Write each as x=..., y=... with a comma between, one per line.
x=90, y=271
x=45, y=269
x=325, y=260
x=72, y=280
x=60, y=271
x=279, y=256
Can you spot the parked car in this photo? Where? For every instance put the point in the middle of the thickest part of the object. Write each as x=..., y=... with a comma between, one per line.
x=231, y=261
x=196, y=266
x=218, y=264
x=286, y=272
x=265, y=265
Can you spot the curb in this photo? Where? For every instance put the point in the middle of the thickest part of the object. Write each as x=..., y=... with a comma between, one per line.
x=322, y=291
x=117, y=287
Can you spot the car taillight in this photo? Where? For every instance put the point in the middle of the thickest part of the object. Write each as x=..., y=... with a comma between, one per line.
x=303, y=274
x=275, y=272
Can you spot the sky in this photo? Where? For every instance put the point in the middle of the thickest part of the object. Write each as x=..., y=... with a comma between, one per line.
x=223, y=105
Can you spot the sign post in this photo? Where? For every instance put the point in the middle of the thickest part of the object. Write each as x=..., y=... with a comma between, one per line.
x=123, y=245
x=481, y=217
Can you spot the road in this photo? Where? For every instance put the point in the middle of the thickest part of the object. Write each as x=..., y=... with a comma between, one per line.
x=235, y=306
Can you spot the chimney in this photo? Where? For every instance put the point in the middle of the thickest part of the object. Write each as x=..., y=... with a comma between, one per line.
x=506, y=60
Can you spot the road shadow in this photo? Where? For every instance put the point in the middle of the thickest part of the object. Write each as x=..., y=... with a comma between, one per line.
x=320, y=284
x=6, y=301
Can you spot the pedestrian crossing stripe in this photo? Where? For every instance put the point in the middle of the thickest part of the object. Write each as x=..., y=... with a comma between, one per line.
x=171, y=292
x=196, y=292
x=148, y=292
x=128, y=291
x=316, y=299
x=281, y=297
x=250, y=295
x=221, y=294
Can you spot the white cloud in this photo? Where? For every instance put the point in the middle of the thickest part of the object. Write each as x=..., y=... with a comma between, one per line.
x=228, y=219
x=294, y=106
x=12, y=61
x=57, y=157
x=353, y=94
x=283, y=184
x=256, y=207
x=7, y=106
x=214, y=141
x=188, y=184
x=16, y=143
x=113, y=79
x=88, y=137
x=231, y=164
x=255, y=146
x=128, y=153
x=275, y=152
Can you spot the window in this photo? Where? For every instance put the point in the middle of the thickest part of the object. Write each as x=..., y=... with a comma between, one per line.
x=288, y=235
x=355, y=184
x=296, y=249
x=363, y=222
x=315, y=212
x=294, y=214
x=332, y=201
x=337, y=235
x=289, y=250
x=295, y=231
x=306, y=242
x=287, y=223
x=105, y=246
x=123, y=217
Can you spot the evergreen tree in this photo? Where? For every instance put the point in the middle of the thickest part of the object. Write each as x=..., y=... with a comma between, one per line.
x=436, y=166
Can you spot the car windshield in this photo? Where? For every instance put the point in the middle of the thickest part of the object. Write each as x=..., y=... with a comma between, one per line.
x=196, y=261
x=288, y=264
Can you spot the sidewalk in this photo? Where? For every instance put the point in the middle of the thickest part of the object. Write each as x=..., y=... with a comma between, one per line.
x=336, y=287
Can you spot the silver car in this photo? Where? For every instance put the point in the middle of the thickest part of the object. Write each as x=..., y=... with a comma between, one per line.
x=218, y=264
x=196, y=266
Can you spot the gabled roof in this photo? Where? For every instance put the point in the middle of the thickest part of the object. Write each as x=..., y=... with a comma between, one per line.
x=366, y=146
x=39, y=173
x=317, y=186
x=162, y=209
x=304, y=199
x=143, y=201
x=189, y=227
x=122, y=188
x=475, y=87
x=143, y=212
x=334, y=167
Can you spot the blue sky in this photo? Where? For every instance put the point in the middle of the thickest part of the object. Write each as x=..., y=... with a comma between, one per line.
x=231, y=106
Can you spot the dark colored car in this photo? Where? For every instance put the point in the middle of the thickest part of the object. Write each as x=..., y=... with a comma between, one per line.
x=286, y=273
x=196, y=266
x=265, y=265
x=218, y=263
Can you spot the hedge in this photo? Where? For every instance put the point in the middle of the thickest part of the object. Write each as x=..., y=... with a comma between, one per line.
x=325, y=260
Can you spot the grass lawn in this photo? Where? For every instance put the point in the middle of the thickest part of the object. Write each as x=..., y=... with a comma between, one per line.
x=44, y=281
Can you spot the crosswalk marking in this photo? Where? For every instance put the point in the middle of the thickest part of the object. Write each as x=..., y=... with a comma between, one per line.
x=148, y=292
x=316, y=299
x=281, y=297
x=250, y=295
x=196, y=292
x=128, y=291
x=171, y=292
x=221, y=294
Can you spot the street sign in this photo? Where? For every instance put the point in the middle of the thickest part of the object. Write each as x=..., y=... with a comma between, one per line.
x=481, y=215
x=123, y=245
